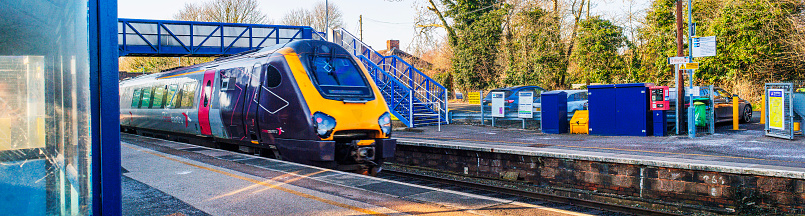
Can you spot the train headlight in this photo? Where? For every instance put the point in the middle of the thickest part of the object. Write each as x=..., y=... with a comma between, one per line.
x=323, y=124
x=385, y=123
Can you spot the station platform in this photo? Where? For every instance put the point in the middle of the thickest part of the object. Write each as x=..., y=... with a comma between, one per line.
x=726, y=172
x=170, y=178
x=739, y=152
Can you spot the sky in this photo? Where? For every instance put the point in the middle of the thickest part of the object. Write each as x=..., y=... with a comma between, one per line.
x=382, y=19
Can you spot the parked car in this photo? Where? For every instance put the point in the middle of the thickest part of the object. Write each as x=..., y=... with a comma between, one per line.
x=722, y=100
x=723, y=106
x=510, y=97
x=576, y=100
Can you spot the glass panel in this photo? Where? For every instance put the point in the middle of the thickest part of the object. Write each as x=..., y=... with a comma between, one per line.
x=45, y=142
x=189, y=93
x=22, y=99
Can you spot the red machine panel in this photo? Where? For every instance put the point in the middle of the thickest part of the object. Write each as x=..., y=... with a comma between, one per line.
x=659, y=95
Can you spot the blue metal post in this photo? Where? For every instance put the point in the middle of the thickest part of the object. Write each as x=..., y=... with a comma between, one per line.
x=691, y=109
x=191, y=40
x=411, y=107
x=159, y=37
x=104, y=106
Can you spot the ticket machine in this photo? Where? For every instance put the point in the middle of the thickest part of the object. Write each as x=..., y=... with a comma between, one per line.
x=659, y=96
x=659, y=106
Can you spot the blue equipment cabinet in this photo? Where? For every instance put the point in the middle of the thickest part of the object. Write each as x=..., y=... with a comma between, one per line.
x=600, y=102
x=554, y=112
x=620, y=110
x=660, y=125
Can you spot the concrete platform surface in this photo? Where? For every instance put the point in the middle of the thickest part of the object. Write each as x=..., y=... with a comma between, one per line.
x=741, y=152
x=168, y=178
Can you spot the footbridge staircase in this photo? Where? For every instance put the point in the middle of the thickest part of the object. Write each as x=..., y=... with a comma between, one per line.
x=413, y=97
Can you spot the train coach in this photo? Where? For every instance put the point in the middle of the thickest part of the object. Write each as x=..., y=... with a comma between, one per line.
x=306, y=101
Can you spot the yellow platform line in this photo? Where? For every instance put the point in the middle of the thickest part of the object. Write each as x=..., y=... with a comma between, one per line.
x=607, y=148
x=275, y=186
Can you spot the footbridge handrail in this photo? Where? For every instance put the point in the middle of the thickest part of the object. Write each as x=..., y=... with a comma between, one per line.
x=428, y=90
x=140, y=37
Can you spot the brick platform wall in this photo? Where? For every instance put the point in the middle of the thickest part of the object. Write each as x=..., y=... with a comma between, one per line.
x=718, y=192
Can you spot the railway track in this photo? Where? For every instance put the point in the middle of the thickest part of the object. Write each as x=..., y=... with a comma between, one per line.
x=491, y=188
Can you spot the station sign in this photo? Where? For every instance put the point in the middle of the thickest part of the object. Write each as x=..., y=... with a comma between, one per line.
x=678, y=60
x=526, y=104
x=703, y=46
x=474, y=97
x=497, y=104
x=689, y=66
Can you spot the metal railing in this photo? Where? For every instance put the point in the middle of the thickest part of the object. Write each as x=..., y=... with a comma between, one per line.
x=137, y=37
x=428, y=93
x=392, y=90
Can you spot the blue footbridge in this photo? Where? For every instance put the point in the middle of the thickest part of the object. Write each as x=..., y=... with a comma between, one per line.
x=412, y=97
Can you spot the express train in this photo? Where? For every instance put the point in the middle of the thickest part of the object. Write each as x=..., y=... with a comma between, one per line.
x=307, y=101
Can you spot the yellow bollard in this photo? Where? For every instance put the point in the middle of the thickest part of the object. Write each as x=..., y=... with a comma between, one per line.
x=735, y=112
x=763, y=109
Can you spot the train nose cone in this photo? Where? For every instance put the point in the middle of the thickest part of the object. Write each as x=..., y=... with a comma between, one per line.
x=357, y=113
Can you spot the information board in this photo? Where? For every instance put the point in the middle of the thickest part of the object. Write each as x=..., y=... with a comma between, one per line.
x=474, y=97
x=497, y=104
x=776, y=109
x=779, y=107
x=704, y=46
x=526, y=104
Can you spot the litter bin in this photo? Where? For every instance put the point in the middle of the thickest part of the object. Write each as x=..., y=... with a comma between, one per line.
x=554, y=112
x=700, y=113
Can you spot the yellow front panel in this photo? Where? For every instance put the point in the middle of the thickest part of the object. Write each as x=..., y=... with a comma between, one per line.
x=348, y=116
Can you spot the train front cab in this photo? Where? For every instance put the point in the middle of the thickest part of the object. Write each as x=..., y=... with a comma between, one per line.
x=348, y=122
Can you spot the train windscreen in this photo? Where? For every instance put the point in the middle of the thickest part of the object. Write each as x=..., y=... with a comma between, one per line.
x=339, y=77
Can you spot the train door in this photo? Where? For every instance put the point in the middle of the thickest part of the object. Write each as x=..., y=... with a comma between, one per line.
x=205, y=101
x=252, y=104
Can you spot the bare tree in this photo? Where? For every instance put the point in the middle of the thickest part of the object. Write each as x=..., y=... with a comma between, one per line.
x=190, y=12
x=315, y=17
x=228, y=11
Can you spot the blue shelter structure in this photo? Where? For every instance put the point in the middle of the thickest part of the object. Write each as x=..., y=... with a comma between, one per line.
x=58, y=84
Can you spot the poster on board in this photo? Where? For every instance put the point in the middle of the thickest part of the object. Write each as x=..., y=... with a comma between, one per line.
x=776, y=109
x=474, y=97
x=497, y=104
x=525, y=107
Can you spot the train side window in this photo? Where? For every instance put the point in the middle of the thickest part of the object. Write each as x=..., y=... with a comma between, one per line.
x=173, y=96
x=228, y=81
x=254, y=77
x=135, y=98
x=159, y=97
x=147, y=96
x=207, y=89
x=273, y=77
x=188, y=94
